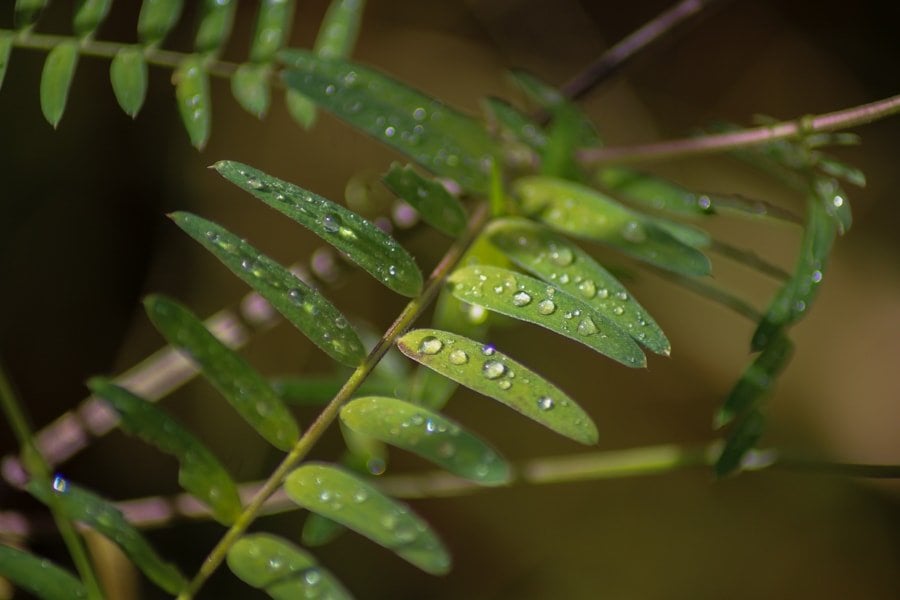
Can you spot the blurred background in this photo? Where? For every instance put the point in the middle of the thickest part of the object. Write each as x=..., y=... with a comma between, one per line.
x=83, y=238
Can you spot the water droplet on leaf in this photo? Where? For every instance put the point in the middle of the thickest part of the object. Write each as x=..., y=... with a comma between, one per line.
x=431, y=345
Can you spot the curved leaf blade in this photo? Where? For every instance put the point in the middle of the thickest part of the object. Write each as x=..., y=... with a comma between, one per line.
x=101, y=516
x=358, y=505
x=282, y=570
x=39, y=576
x=430, y=199
x=56, y=79
x=89, y=14
x=427, y=434
x=301, y=108
x=584, y=212
x=440, y=139
x=194, y=102
x=528, y=299
x=486, y=371
x=200, y=472
x=250, y=87
x=559, y=262
x=128, y=75
x=157, y=18
x=339, y=29
x=654, y=192
x=515, y=122
x=361, y=241
x=215, y=25
x=740, y=441
x=273, y=28
x=835, y=202
x=319, y=530
x=242, y=386
x=6, y=41
x=27, y=12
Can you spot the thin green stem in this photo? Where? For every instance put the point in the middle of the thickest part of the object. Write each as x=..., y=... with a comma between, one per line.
x=38, y=468
x=404, y=320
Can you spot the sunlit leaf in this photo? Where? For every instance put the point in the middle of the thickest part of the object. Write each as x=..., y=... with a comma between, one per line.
x=440, y=139
x=835, y=202
x=740, y=441
x=517, y=123
x=528, y=299
x=558, y=261
x=81, y=505
x=585, y=212
x=654, y=192
x=282, y=570
x=88, y=15
x=6, y=40
x=27, y=11
x=39, y=576
x=273, y=28
x=428, y=434
x=487, y=371
x=194, y=104
x=157, y=18
x=56, y=79
x=250, y=86
x=128, y=75
x=339, y=28
x=430, y=199
x=358, y=239
x=200, y=473
x=215, y=25
x=243, y=387
x=359, y=506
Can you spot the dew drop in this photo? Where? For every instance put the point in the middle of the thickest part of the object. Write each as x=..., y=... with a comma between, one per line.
x=546, y=307
x=634, y=232
x=431, y=345
x=838, y=201
x=430, y=426
x=212, y=236
x=816, y=276
x=521, y=299
x=603, y=293
x=587, y=327
x=504, y=384
x=622, y=296
x=330, y=89
x=389, y=132
x=331, y=222
x=498, y=289
x=458, y=357
x=376, y=466
x=312, y=576
x=361, y=496
x=295, y=294
x=493, y=369
x=256, y=184
x=545, y=403
x=419, y=114
x=618, y=311
x=60, y=484
x=562, y=256
x=488, y=350
x=587, y=288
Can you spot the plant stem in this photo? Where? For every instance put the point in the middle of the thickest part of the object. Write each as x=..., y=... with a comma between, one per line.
x=404, y=320
x=680, y=148
x=38, y=468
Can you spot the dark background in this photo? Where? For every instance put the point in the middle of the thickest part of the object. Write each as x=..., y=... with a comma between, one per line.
x=83, y=237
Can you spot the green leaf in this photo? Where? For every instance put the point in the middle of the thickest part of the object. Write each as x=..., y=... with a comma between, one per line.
x=317, y=391
x=430, y=199
x=192, y=93
x=840, y=170
x=358, y=239
x=100, y=515
x=237, y=381
x=585, y=212
x=551, y=100
x=527, y=299
x=27, y=12
x=483, y=369
x=200, y=473
x=565, y=134
x=339, y=29
x=282, y=570
x=517, y=123
x=428, y=434
x=440, y=139
x=273, y=28
x=6, y=41
x=39, y=576
x=128, y=74
x=544, y=95
x=56, y=79
x=835, y=202
x=359, y=506
x=89, y=14
x=215, y=25
x=319, y=530
x=654, y=192
x=157, y=18
x=301, y=108
x=740, y=441
x=250, y=86
x=561, y=263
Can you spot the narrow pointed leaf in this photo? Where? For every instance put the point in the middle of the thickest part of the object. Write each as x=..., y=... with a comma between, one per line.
x=489, y=372
x=527, y=299
x=561, y=263
x=756, y=381
x=835, y=202
x=100, y=515
x=128, y=75
x=428, y=434
x=544, y=95
x=654, y=192
x=157, y=18
x=250, y=86
x=273, y=28
x=841, y=170
x=56, y=79
x=358, y=239
x=194, y=104
x=27, y=11
x=89, y=14
x=585, y=212
x=430, y=199
x=301, y=108
x=39, y=576
x=516, y=123
x=282, y=570
x=558, y=106
x=440, y=139
x=359, y=506
x=243, y=387
x=6, y=40
x=565, y=134
x=200, y=473
x=740, y=441
x=215, y=25
x=339, y=28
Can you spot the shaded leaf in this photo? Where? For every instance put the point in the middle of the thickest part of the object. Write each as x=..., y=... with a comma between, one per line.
x=250, y=86
x=428, y=434
x=237, y=381
x=430, y=199
x=215, y=25
x=317, y=391
x=128, y=75
x=841, y=170
x=835, y=202
x=483, y=369
x=39, y=576
x=561, y=263
x=339, y=28
x=654, y=192
x=89, y=14
x=273, y=28
x=359, y=506
x=301, y=108
x=517, y=123
x=28, y=11
x=358, y=239
x=192, y=94
x=282, y=570
x=527, y=299
x=100, y=515
x=440, y=139
x=157, y=18
x=319, y=530
x=558, y=106
x=6, y=40
x=200, y=473
x=56, y=79
x=740, y=441
x=585, y=212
